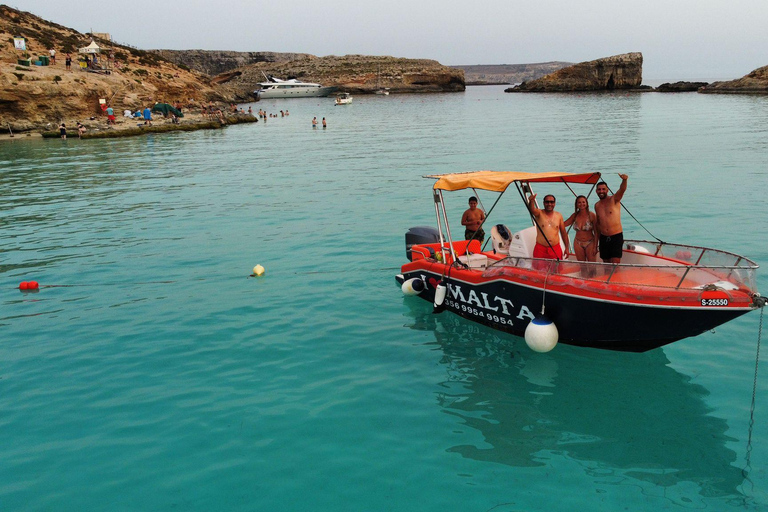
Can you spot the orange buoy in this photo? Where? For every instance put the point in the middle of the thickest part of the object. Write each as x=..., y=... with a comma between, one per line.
x=33, y=285
x=23, y=285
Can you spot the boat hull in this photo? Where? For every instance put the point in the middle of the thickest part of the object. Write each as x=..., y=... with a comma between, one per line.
x=582, y=321
x=316, y=92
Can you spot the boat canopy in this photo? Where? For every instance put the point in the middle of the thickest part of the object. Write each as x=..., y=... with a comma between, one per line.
x=498, y=181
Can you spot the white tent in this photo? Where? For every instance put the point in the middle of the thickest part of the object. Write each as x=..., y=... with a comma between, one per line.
x=91, y=48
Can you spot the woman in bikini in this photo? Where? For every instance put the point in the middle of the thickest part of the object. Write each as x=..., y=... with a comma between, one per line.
x=583, y=220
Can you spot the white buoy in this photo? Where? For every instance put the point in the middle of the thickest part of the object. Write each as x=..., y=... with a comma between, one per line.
x=258, y=270
x=413, y=286
x=440, y=292
x=541, y=334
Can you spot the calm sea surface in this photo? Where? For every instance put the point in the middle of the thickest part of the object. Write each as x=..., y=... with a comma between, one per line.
x=151, y=372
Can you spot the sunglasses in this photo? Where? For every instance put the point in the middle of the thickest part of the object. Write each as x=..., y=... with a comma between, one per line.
x=545, y=202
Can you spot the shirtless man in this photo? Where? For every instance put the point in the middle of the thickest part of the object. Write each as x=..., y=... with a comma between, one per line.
x=608, y=211
x=551, y=228
x=472, y=220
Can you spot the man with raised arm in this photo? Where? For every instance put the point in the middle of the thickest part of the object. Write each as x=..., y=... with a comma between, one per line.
x=551, y=228
x=608, y=211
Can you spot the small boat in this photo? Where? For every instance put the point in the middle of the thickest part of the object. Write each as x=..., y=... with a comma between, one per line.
x=659, y=293
x=291, y=88
x=343, y=98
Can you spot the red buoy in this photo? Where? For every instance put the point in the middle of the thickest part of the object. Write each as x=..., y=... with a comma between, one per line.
x=33, y=285
x=24, y=285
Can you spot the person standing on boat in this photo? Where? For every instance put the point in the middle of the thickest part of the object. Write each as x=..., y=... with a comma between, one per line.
x=551, y=229
x=584, y=224
x=472, y=220
x=608, y=211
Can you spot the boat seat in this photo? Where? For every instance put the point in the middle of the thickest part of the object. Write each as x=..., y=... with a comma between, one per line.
x=524, y=241
x=501, y=237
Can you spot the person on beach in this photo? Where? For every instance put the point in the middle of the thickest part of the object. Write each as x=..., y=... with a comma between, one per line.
x=63, y=130
x=52, y=53
x=314, y=122
x=472, y=219
x=147, y=116
x=584, y=224
x=608, y=211
x=551, y=229
x=68, y=62
x=110, y=115
x=80, y=130
x=324, y=124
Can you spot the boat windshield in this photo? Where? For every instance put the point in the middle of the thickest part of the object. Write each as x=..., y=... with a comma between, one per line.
x=645, y=264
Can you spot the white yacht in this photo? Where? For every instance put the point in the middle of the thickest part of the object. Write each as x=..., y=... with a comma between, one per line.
x=291, y=88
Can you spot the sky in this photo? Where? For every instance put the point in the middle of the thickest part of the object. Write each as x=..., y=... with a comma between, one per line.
x=679, y=39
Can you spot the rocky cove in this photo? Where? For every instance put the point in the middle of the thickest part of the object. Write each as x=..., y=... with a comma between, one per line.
x=39, y=97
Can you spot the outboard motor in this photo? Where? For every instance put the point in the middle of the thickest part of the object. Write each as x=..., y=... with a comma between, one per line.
x=420, y=235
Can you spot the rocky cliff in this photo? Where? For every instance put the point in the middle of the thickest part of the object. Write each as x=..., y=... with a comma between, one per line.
x=213, y=62
x=618, y=72
x=32, y=97
x=350, y=73
x=755, y=82
x=483, y=74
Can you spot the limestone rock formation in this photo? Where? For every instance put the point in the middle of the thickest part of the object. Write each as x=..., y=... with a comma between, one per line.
x=623, y=71
x=32, y=97
x=486, y=74
x=214, y=62
x=755, y=82
x=351, y=73
x=680, y=87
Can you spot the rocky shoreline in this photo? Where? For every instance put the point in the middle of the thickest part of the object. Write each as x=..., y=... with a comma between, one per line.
x=38, y=98
x=126, y=127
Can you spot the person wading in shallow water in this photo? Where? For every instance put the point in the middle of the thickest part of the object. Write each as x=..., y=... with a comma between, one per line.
x=608, y=211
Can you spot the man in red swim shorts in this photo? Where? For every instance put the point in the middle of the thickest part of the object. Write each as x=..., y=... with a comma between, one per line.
x=551, y=228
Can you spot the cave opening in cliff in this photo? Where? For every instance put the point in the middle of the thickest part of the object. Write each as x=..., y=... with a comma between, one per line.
x=610, y=85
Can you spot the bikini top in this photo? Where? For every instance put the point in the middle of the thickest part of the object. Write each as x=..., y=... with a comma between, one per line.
x=586, y=227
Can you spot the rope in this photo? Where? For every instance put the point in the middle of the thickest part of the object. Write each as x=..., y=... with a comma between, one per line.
x=635, y=219
x=544, y=290
x=745, y=471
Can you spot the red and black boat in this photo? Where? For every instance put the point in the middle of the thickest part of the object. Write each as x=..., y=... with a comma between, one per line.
x=659, y=293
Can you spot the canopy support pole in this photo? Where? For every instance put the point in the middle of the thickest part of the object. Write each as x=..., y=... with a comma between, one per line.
x=439, y=196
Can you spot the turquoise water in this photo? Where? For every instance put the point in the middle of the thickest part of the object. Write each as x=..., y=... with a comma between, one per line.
x=151, y=373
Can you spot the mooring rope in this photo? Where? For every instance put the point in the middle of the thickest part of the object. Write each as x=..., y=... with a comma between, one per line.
x=748, y=467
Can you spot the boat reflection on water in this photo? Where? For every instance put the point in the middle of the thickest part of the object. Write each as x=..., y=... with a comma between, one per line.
x=619, y=415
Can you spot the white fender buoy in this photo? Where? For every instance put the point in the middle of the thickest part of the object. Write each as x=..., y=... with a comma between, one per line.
x=541, y=334
x=413, y=286
x=441, y=290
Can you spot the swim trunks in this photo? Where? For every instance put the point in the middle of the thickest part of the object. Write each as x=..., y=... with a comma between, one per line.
x=611, y=246
x=551, y=253
x=544, y=251
x=479, y=236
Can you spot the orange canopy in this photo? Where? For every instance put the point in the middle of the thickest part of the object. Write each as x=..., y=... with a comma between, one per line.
x=498, y=181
